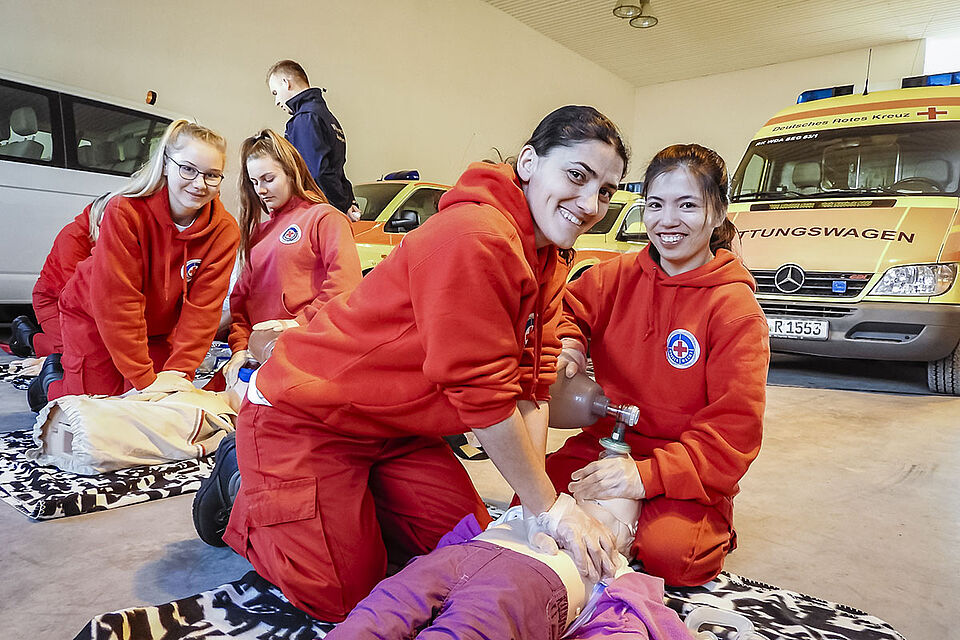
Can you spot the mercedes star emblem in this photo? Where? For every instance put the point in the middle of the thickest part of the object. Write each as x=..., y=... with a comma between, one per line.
x=789, y=278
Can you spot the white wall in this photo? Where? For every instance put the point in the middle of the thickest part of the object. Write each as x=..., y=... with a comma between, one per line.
x=422, y=84
x=724, y=111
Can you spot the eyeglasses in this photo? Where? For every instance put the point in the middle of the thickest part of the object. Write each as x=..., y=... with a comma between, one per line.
x=188, y=172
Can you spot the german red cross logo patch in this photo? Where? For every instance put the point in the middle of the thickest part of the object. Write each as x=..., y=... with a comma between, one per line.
x=683, y=350
x=290, y=235
x=190, y=269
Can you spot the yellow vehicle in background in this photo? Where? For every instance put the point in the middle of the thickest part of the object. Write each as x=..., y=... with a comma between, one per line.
x=392, y=207
x=389, y=209
x=846, y=207
x=620, y=231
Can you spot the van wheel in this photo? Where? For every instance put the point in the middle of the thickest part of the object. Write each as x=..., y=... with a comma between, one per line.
x=943, y=376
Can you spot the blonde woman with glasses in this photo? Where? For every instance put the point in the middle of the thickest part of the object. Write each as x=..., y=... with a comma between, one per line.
x=142, y=310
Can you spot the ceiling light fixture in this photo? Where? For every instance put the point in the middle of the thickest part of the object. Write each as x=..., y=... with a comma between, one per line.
x=643, y=22
x=627, y=9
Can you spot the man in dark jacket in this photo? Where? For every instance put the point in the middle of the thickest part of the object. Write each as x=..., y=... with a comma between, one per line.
x=314, y=131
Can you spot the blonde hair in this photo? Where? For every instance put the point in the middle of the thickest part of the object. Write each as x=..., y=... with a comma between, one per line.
x=149, y=178
x=270, y=144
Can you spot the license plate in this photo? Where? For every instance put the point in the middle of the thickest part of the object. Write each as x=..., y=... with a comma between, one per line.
x=798, y=328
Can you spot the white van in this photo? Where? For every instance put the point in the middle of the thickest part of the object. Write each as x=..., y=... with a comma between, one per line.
x=58, y=151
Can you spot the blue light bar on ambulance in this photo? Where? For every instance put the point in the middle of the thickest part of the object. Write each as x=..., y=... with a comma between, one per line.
x=413, y=174
x=632, y=187
x=932, y=80
x=820, y=94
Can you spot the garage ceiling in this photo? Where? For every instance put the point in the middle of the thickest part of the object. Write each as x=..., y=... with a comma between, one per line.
x=697, y=38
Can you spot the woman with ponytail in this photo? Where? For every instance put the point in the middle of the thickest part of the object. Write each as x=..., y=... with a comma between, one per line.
x=142, y=310
x=677, y=331
x=301, y=256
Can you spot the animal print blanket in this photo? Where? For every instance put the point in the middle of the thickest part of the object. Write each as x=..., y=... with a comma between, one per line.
x=43, y=493
x=253, y=609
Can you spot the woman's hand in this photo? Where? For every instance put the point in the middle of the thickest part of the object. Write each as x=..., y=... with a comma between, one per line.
x=591, y=545
x=572, y=359
x=231, y=370
x=169, y=382
x=610, y=477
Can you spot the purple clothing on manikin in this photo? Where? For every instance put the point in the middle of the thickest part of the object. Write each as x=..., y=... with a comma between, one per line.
x=632, y=608
x=470, y=591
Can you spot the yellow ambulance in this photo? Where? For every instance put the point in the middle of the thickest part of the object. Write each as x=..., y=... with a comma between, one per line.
x=846, y=207
x=620, y=231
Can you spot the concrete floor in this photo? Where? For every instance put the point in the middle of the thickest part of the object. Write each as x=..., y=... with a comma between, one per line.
x=853, y=499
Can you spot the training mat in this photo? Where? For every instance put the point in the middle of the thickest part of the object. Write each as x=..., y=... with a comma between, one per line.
x=44, y=493
x=253, y=609
x=18, y=380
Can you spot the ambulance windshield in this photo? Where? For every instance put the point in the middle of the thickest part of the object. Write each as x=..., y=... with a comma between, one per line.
x=905, y=159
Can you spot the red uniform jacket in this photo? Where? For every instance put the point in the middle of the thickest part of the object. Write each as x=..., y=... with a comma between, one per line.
x=691, y=351
x=71, y=246
x=148, y=281
x=304, y=253
x=446, y=334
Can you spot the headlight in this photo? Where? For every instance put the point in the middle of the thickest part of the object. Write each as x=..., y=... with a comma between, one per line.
x=916, y=280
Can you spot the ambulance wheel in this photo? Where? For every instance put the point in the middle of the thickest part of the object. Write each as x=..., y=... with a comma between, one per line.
x=943, y=376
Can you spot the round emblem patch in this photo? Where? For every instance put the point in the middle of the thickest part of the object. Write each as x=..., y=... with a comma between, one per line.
x=683, y=350
x=528, y=329
x=290, y=235
x=190, y=269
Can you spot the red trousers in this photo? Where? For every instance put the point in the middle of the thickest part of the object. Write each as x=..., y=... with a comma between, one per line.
x=682, y=541
x=87, y=365
x=48, y=315
x=320, y=513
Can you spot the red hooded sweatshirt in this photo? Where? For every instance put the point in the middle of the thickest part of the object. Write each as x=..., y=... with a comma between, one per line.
x=691, y=351
x=147, y=280
x=303, y=253
x=446, y=334
x=71, y=246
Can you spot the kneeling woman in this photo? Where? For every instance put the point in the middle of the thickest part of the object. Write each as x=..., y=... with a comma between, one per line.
x=677, y=331
x=299, y=258
x=339, y=443
x=142, y=310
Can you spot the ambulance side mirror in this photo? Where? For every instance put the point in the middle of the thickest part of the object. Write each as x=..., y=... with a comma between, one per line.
x=406, y=220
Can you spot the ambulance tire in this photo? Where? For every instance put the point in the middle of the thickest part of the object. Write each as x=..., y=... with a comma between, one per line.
x=943, y=376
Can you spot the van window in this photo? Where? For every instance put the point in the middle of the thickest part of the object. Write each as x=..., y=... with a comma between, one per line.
x=110, y=139
x=28, y=123
x=425, y=202
x=905, y=159
x=632, y=229
x=373, y=198
x=608, y=220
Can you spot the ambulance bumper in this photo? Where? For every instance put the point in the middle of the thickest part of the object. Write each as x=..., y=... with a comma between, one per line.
x=872, y=330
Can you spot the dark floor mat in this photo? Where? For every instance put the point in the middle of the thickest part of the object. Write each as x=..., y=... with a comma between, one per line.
x=43, y=493
x=253, y=609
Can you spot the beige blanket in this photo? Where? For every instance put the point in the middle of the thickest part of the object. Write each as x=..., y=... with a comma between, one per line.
x=90, y=435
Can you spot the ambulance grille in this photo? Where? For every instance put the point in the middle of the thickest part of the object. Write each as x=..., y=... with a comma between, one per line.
x=804, y=310
x=823, y=284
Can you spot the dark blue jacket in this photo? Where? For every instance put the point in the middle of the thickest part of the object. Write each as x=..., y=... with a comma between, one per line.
x=319, y=138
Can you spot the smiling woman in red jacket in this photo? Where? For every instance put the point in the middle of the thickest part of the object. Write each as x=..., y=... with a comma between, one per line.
x=142, y=310
x=677, y=331
x=300, y=257
x=339, y=443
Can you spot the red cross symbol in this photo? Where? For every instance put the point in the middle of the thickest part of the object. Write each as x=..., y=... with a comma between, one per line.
x=931, y=113
x=679, y=349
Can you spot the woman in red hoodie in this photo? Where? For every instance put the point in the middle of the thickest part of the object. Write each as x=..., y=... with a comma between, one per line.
x=677, y=331
x=339, y=443
x=303, y=253
x=142, y=310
